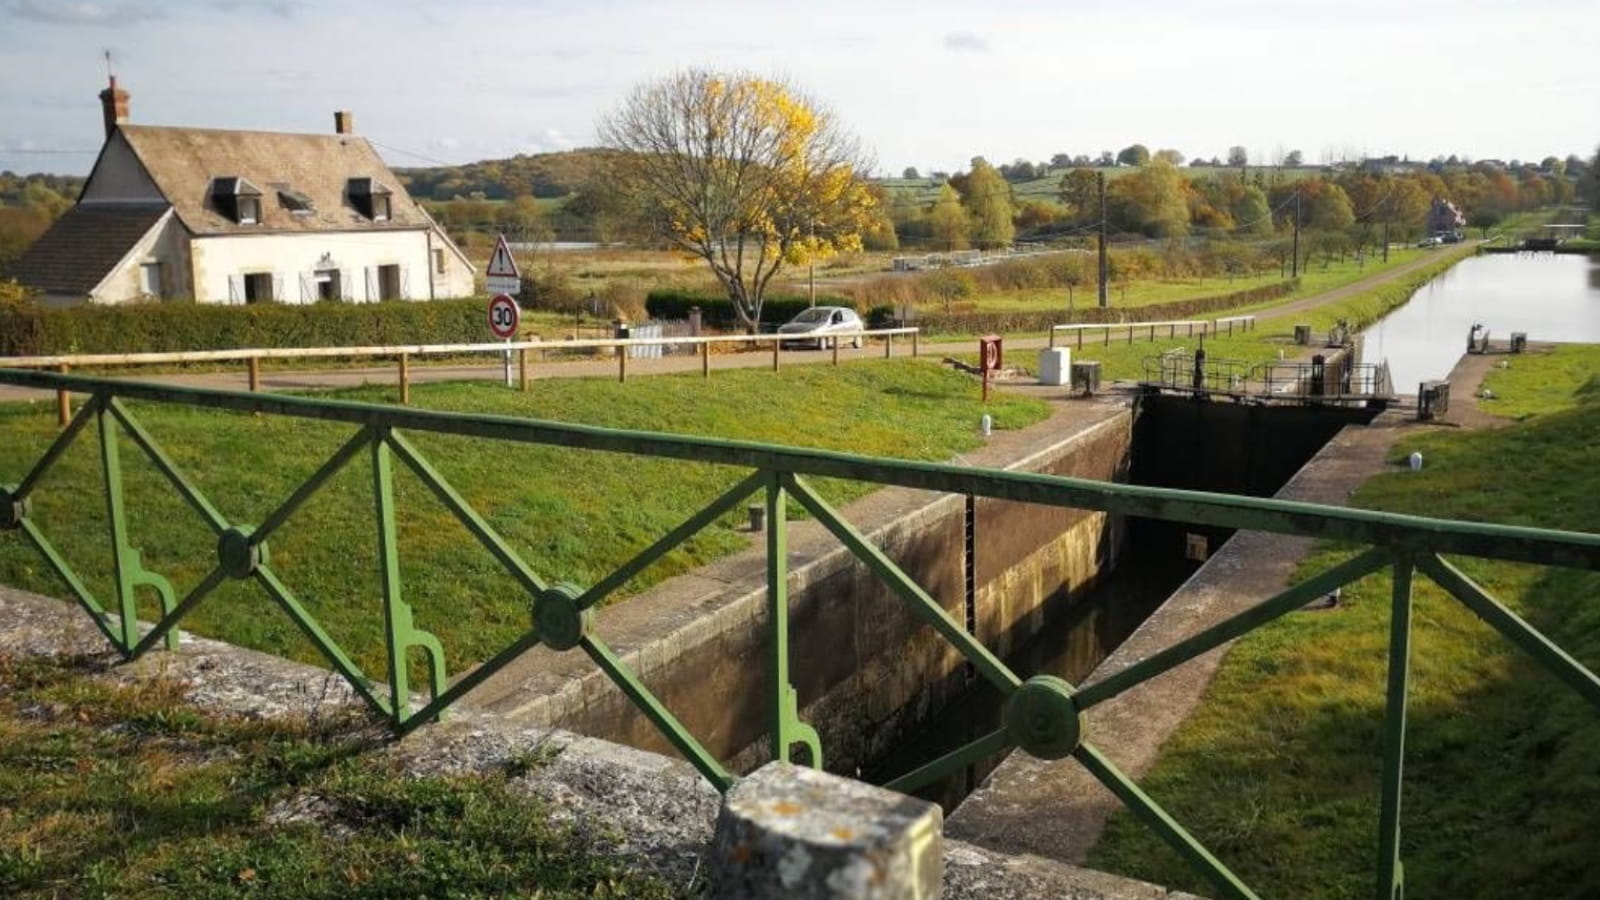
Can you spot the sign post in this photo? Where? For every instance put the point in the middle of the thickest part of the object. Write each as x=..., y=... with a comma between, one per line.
x=989, y=359
x=505, y=283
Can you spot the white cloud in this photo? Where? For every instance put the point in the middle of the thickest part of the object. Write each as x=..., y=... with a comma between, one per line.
x=83, y=13
x=965, y=42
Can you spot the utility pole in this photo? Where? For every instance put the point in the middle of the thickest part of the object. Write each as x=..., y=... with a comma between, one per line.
x=1105, y=270
x=1296, y=269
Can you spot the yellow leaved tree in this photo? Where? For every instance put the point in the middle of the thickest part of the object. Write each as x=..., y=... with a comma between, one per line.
x=747, y=173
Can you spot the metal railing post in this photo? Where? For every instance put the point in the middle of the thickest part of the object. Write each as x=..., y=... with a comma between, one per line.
x=787, y=728
x=1391, y=875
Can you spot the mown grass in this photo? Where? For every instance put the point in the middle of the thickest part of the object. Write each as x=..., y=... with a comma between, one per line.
x=1544, y=381
x=573, y=515
x=126, y=791
x=1277, y=770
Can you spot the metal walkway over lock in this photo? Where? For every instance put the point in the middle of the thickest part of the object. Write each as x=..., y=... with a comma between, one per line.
x=1042, y=715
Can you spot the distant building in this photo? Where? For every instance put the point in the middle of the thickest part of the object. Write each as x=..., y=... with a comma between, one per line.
x=241, y=217
x=1444, y=218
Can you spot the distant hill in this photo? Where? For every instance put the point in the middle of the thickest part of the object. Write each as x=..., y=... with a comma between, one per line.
x=540, y=175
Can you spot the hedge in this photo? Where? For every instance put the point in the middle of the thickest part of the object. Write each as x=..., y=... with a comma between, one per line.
x=1004, y=322
x=718, y=311
x=27, y=329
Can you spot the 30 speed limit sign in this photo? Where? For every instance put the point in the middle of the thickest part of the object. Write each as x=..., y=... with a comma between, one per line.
x=504, y=317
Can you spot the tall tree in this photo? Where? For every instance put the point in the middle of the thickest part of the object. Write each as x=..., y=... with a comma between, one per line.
x=1294, y=159
x=948, y=222
x=910, y=173
x=1172, y=156
x=1080, y=194
x=988, y=200
x=1237, y=157
x=748, y=173
x=1134, y=155
x=1153, y=200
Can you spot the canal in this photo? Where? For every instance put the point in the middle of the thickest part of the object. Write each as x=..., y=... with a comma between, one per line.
x=1550, y=297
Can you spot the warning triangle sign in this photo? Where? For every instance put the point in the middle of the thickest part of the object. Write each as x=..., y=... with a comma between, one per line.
x=500, y=262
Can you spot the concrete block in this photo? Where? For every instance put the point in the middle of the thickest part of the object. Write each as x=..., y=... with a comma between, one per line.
x=1055, y=365
x=792, y=832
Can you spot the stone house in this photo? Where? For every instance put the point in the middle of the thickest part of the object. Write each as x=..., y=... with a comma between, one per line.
x=241, y=217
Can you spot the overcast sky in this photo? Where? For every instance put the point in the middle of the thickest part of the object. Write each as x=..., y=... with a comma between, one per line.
x=927, y=84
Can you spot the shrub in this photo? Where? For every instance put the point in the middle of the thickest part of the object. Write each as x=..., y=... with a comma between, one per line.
x=718, y=312
x=168, y=327
x=1041, y=320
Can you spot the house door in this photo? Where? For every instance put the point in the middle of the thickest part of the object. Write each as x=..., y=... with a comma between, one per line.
x=328, y=282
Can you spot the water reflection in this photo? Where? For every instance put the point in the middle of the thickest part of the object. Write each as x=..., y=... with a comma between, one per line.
x=1550, y=297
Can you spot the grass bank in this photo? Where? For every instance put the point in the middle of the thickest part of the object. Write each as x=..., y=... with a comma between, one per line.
x=1277, y=770
x=126, y=791
x=574, y=515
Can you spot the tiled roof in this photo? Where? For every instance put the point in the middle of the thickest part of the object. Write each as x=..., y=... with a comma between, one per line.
x=83, y=246
x=184, y=161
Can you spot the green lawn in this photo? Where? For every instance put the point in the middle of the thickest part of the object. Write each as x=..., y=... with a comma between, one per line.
x=125, y=791
x=574, y=515
x=1277, y=769
x=1545, y=381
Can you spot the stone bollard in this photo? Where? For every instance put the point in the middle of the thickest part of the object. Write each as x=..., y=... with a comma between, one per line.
x=793, y=832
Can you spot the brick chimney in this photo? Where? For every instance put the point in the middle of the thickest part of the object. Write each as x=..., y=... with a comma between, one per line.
x=114, y=106
x=344, y=122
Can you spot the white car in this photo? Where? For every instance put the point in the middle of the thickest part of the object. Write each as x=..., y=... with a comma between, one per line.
x=816, y=323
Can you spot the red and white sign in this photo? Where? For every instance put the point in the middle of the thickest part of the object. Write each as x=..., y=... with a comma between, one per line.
x=504, y=317
x=502, y=276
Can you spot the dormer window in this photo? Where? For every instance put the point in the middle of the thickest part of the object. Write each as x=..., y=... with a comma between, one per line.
x=370, y=198
x=237, y=199
x=297, y=203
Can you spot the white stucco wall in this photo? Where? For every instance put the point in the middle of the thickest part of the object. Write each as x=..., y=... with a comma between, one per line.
x=165, y=243
x=290, y=258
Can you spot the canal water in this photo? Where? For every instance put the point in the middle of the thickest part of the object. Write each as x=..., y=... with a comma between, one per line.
x=1551, y=297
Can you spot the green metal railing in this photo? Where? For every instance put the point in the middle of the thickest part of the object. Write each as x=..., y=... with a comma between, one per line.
x=1042, y=715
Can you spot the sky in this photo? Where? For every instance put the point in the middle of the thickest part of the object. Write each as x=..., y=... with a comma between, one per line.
x=929, y=84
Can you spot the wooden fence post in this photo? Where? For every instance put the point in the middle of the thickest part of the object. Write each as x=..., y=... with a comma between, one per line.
x=405, y=379
x=254, y=363
x=622, y=363
x=705, y=359
x=522, y=369
x=835, y=343
x=63, y=403
x=776, y=344
x=888, y=344
x=916, y=342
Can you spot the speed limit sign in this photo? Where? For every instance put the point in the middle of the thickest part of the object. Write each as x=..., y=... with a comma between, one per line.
x=504, y=317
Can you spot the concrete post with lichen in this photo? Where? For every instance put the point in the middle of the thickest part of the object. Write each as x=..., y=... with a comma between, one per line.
x=793, y=832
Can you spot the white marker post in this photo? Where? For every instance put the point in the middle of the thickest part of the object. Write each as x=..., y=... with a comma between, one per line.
x=505, y=283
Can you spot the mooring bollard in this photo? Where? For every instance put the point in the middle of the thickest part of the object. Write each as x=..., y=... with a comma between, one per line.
x=796, y=833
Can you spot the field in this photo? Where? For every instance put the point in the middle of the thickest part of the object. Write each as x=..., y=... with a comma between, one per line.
x=574, y=515
x=1277, y=770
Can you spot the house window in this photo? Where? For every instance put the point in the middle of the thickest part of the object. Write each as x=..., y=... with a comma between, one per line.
x=380, y=207
x=249, y=210
x=388, y=282
x=150, y=280
x=258, y=287
x=438, y=262
x=327, y=281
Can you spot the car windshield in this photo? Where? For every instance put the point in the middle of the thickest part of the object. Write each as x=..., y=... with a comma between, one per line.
x=819, y=314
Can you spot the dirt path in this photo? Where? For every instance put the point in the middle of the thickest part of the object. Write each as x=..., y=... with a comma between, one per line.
x=289, y=380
